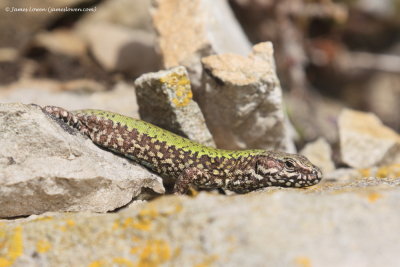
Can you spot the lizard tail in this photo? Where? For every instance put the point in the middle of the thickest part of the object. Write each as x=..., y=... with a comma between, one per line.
x=62, y=114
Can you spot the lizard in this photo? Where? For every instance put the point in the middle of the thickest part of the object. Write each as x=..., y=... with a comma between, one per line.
x=185, y=161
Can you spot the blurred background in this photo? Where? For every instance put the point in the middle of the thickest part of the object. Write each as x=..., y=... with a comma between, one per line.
x=329, y=54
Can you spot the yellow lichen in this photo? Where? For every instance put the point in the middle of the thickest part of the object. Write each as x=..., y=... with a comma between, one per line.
x=391, y=171
x=4, y=262
x=123, y=262
x=208, y=261
x=388, y=171
x=69, y=223
x=303, y=261
x=139, y=224
x=180, y=84
x=373, y=197
x=98, y=263
x=365, y=172
x=116, y=225
x=154, y=253
x=44, y=218
x=135, y=250
x=42, y=246
x=11, y=247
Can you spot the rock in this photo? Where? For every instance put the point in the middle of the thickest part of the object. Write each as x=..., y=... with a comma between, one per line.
x=310, y=124
x=165, y=99
x=190, y=29
x=61, y=55
x=320, y=153
x=383, y=97
x=343, y=175
x=131, y=14
x=242, y=101
x=390, y=171
x=77, y=94
x=45, y=168
x=61, y=42
x=365, y=141
x=295, y=228
x=118, y=48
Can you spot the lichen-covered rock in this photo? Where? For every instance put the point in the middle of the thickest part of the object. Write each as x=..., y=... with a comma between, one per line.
x=45, y=168
x=349, y=225
x=242, y=101
x=190, y=29
x=365, y=141
x=165, y=99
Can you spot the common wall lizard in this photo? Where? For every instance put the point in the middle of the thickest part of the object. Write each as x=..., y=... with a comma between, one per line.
x=187, y=162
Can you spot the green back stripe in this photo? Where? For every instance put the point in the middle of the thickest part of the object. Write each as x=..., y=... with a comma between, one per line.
x=171, y=139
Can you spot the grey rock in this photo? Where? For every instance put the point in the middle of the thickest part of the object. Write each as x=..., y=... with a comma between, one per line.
x=119, y=48
x=242, y=101
x=319, y=152
x=350, y=225
x=61, y=42
x=44, y=168
x=383, y=97
x=365, y=141
x=128, y=13
x=165, y=99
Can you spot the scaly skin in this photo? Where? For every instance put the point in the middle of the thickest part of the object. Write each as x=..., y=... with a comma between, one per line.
x=190, y=163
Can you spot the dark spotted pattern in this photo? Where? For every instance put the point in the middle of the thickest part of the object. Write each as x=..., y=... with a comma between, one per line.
x=189, y=163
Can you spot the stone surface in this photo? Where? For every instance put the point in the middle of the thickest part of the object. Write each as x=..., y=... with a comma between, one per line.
x=310, y=124
x=44, y=168
x=319, y=152
x=119, y=48
x=190, y=29
x=61, y=42
x=365, y=141
x=349, y=225
x=242, y=101
x=73, y=95
x=383, y=97
x=128, y=13
x=165, y=99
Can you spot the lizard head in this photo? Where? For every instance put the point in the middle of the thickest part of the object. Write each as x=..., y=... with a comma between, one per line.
x=287, y=170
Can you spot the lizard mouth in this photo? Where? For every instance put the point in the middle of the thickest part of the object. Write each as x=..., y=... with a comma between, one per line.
x=313, y=178
x=302, y=179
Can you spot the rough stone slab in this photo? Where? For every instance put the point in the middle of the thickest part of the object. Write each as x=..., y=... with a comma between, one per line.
x=352, y=225
x=319, y=152
x=165, y=99
x=118, y=48
x=242, y=101
x=190, y=29
x=365, y=141
x=44, y=168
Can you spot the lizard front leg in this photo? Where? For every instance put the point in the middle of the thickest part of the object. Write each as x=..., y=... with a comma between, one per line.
x=195, y=176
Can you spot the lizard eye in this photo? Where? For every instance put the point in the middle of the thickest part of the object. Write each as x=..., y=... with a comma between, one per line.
x=289, y=164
